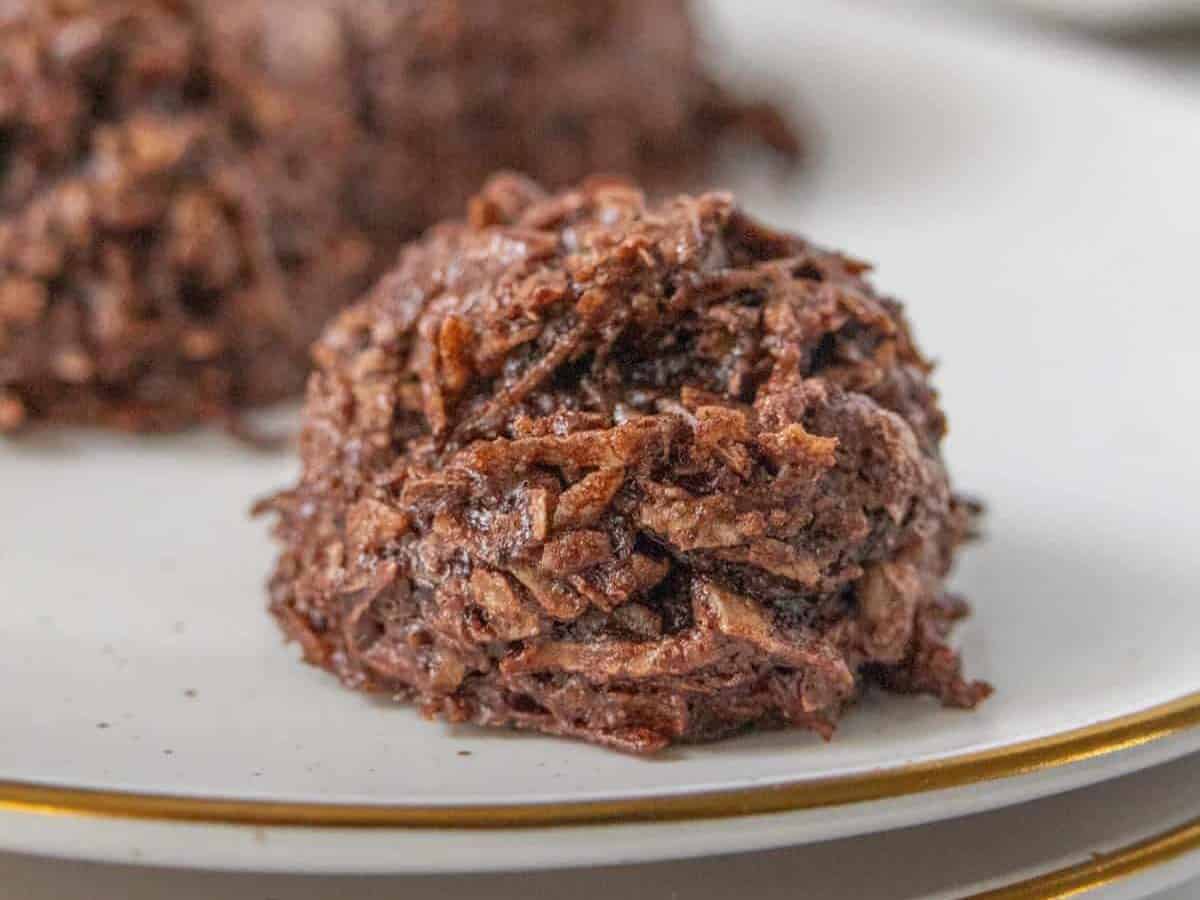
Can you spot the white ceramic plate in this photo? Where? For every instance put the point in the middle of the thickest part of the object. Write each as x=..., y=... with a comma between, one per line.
x=1113, y=13
x=1125, y=839
x=1037, y=211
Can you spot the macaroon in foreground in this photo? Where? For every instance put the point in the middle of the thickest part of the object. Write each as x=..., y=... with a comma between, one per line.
x=189, y=189
x=633, y=473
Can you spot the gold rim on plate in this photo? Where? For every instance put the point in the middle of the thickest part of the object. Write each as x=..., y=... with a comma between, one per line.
x=1102, y=868
x=1021, y=758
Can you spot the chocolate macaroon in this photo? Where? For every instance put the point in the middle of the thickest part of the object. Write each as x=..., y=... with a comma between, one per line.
x=190, y=188
x=635, y=473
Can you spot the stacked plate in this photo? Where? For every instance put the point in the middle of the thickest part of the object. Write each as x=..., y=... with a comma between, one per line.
x=1036, y=206
x=1116, y=14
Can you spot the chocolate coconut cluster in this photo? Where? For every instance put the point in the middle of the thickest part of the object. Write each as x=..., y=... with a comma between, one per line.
x=633, y=472
x=189, y=189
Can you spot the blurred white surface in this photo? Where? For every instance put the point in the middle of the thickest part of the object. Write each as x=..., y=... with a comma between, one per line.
x=1114, y=13
x=1168, y=45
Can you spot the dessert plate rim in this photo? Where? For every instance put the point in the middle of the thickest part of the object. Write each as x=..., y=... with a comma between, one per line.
x=1115, y=868
x=1020, y=758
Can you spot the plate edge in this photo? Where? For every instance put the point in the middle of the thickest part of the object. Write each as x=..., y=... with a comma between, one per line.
x=1012, y=760
x=1102, y=869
